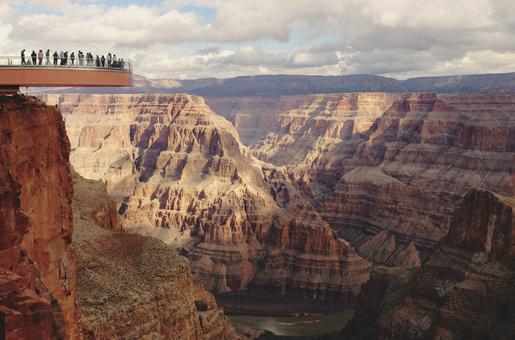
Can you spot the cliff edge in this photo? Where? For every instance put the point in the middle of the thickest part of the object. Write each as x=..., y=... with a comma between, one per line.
x=37, y=267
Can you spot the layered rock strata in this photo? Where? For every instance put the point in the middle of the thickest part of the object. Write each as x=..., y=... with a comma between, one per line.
x=381, y=215
x=37, y=266
x=464, y=290
x=132, y=287
x=313, y=133
x=428, y=150
x=399, y=163
x=182, y=175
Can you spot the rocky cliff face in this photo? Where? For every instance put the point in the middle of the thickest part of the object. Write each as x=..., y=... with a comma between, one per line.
x=182, y=175
x=436, y=148
x=464, y=291
x=37, y=266
x=398, y=163
x=132, y=287
x=332, y=117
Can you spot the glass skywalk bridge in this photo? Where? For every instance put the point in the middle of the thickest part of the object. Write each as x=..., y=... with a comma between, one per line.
x=16, y=73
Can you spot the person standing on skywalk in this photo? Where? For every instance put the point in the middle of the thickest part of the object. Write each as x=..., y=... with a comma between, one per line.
x=34, y=57
x=40, y=57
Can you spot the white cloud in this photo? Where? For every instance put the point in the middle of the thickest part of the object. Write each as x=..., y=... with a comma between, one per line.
x=394, y=37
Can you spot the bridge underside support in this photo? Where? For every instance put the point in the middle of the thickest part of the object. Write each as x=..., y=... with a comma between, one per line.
x=9, y=89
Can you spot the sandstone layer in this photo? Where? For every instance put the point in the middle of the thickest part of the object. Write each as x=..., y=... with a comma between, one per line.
x=372, y=162
x=181, y=175
x=37, y=266
x=429, y=150
x=465, y=290
x=135, y=287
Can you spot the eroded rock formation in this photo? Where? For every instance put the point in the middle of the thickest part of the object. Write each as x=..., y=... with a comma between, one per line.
x=132, y=287
x=399, y=163
x=182, y=175
x=436, y=148
x=465, y=290
x=37, y=266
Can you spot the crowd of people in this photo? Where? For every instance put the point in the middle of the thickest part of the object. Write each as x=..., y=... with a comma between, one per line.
x=65, y=59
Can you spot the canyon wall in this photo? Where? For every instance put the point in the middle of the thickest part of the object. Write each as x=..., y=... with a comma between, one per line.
x=37, y=266
x=465, y=290
x=132, y=287
x=329, y=116
x=428, y=150
x=180, y=174
x=385, y=170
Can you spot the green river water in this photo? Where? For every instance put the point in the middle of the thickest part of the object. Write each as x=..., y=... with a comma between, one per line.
x=296, y=325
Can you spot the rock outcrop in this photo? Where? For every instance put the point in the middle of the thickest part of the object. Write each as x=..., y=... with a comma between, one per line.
x=37, y=266
x=132, y=287
x=181, y=175
x=465, y=290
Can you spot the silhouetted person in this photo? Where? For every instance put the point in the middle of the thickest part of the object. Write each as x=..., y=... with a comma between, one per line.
x=47, y=55
x=109, y=59
x=72, y=58
x=97, y=61
x=56, y=58
x=81, y=58
x=23, y=62
x=40, y=57
x=114, y=61
x=61, y=58
x=34, y=57
x=122, y=64
x=103, y=61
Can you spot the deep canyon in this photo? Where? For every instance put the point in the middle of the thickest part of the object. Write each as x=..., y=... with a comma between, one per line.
x=398, y=204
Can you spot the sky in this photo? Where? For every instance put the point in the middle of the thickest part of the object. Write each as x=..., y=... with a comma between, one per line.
x=189, y=39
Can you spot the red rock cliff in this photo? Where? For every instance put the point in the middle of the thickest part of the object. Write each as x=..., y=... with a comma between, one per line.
x=465, y=290
x=37, y=269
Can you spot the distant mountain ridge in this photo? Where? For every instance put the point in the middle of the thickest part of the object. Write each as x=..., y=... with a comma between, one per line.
x=277, y=85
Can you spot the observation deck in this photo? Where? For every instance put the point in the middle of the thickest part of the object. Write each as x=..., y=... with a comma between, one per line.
x=15, y=74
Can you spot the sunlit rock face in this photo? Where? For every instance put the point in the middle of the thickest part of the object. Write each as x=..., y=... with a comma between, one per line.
x=181, y=174
x=298, y=130
x=389, y=164
x=37, y=266
x=464, y=290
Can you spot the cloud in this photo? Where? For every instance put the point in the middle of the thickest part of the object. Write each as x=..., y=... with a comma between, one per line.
x=242, y=61
x=177, y=38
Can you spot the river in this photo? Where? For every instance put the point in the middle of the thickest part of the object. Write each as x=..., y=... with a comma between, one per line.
x=310, y=325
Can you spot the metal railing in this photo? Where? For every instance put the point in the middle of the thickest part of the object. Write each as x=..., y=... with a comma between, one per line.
x=51, y=62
